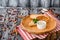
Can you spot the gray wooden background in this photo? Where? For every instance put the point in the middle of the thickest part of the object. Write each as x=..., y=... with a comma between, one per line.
x=30, y=3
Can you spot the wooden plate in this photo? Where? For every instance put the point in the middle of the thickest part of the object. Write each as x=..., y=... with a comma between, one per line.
x=51, y=24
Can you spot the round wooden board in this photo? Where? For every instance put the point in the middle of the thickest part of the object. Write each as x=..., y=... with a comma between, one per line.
x=51, y=24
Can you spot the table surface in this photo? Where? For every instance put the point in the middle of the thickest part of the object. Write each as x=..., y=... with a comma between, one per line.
x=52, y=36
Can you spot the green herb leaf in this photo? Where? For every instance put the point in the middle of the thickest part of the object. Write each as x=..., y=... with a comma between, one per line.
x=35, y=20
